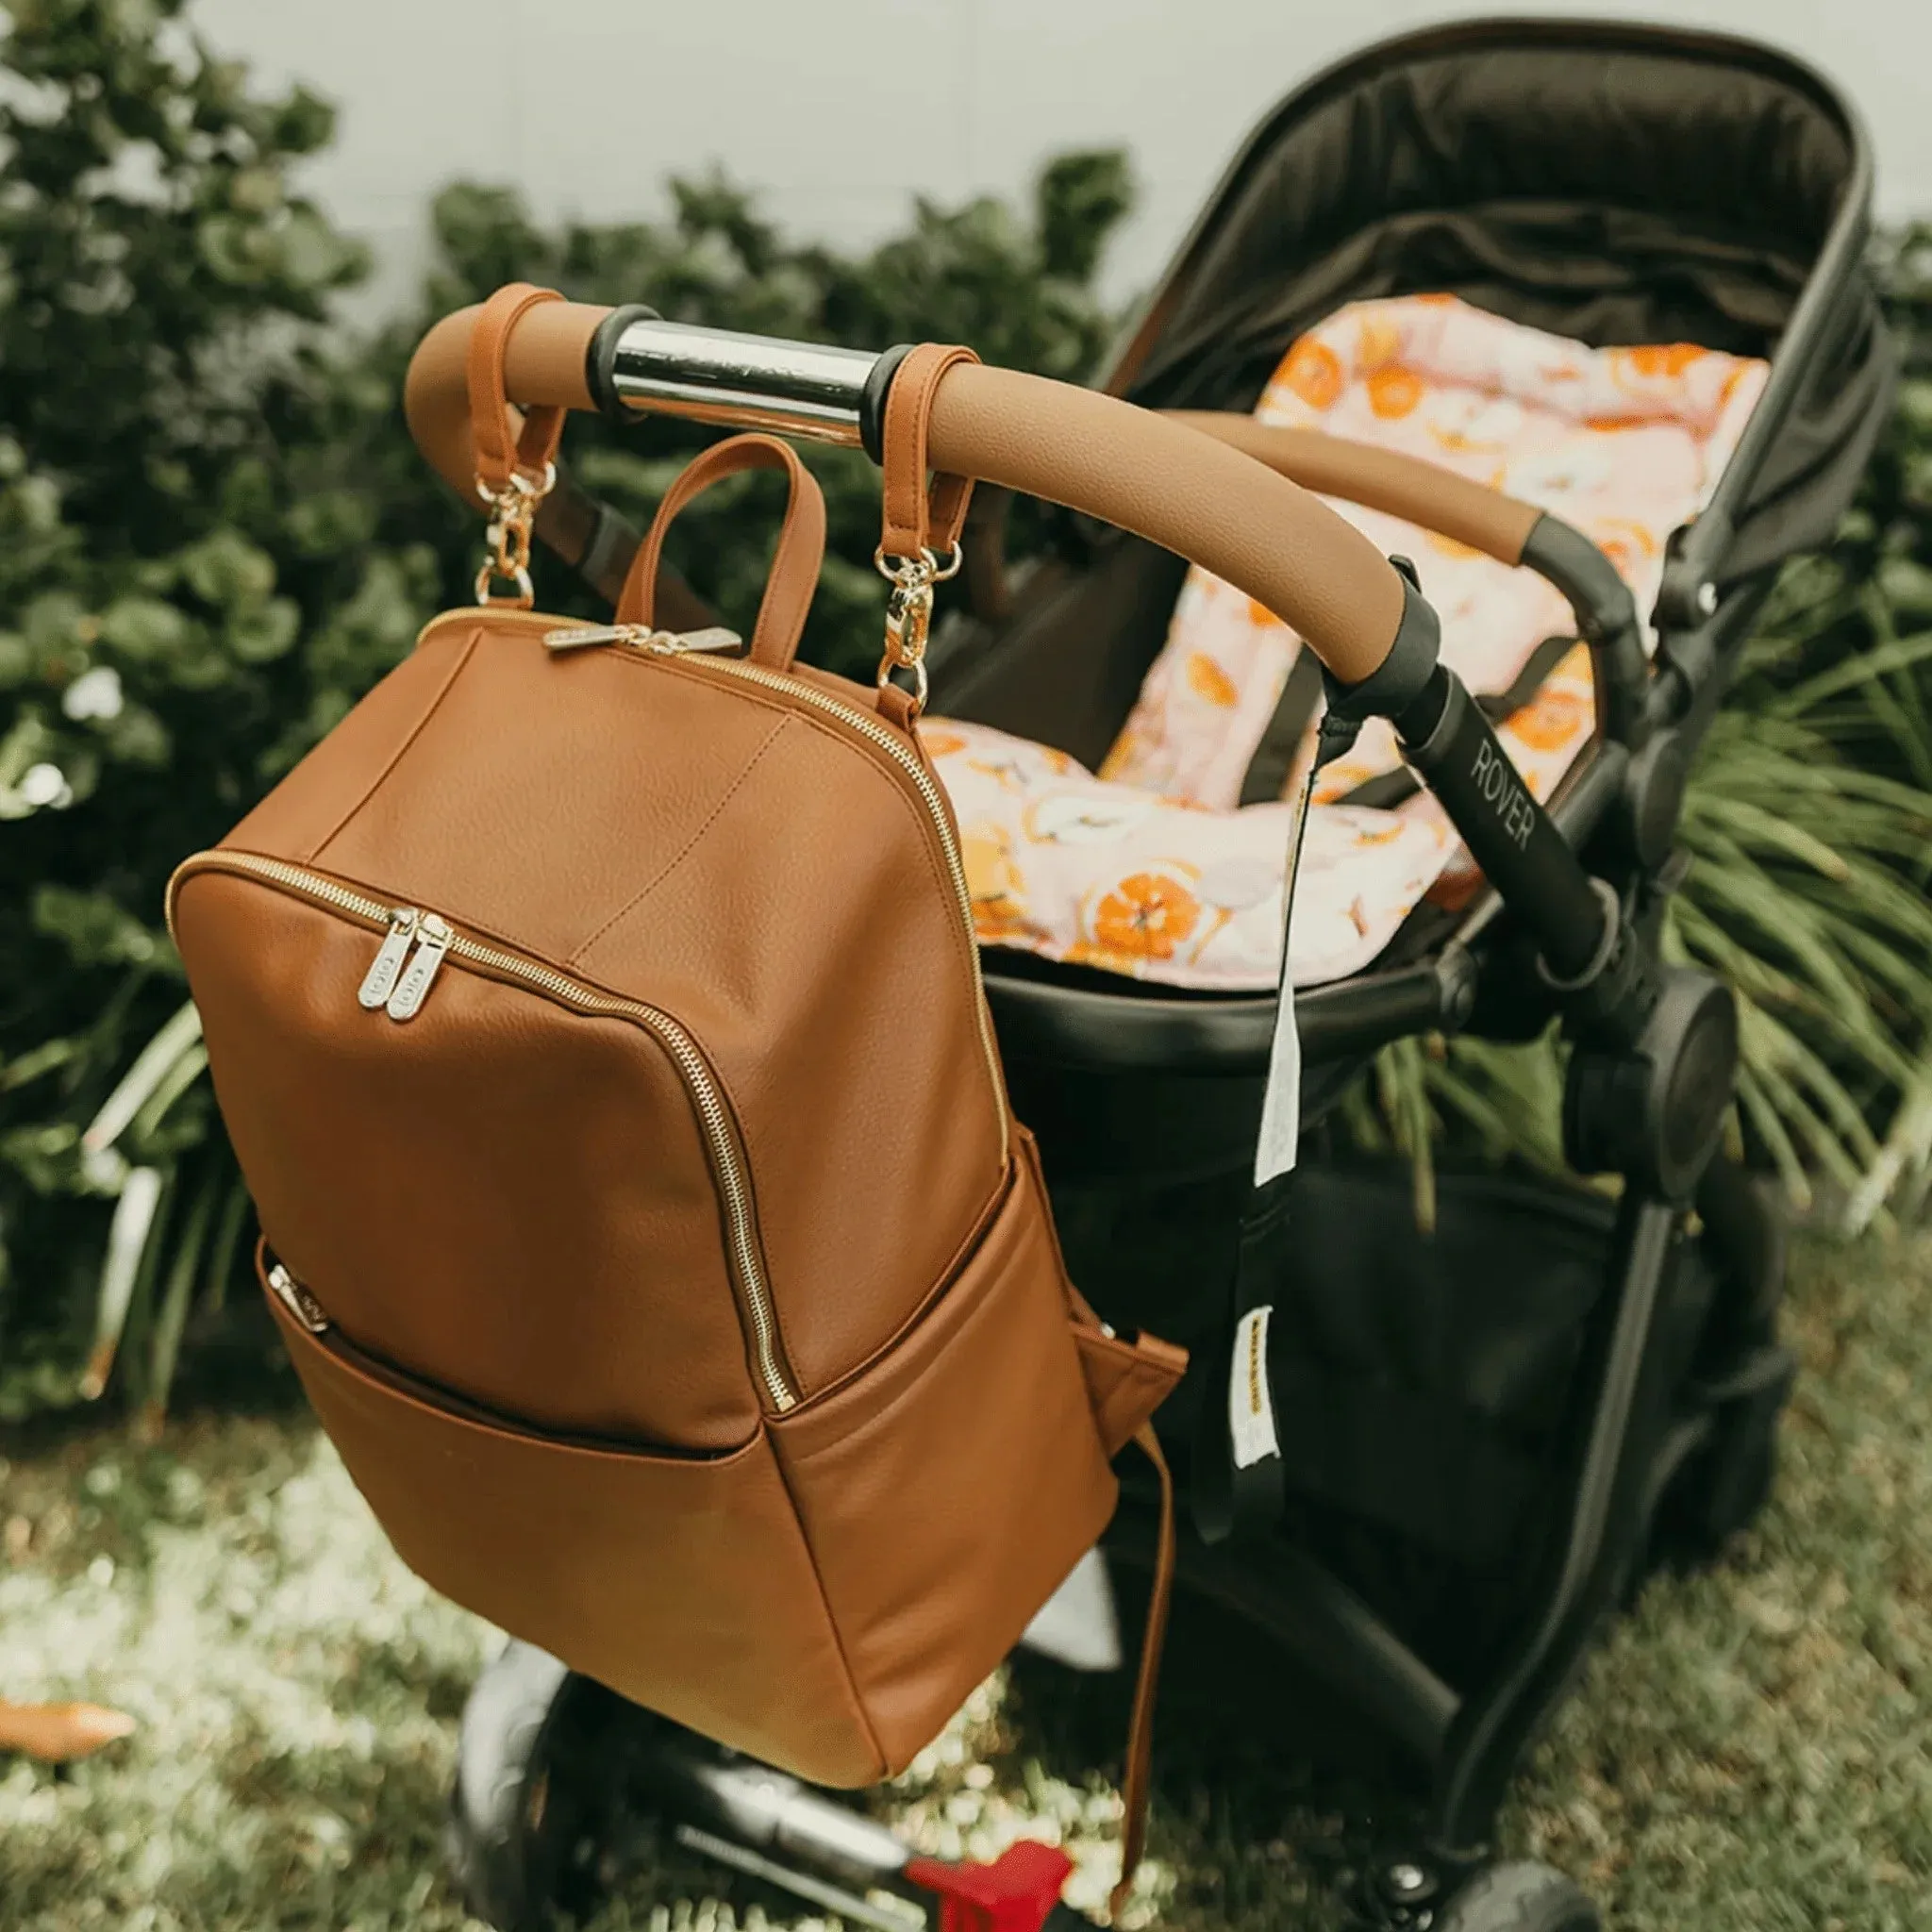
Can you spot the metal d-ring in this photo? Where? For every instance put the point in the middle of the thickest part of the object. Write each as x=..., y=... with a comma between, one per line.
x=1606, y=945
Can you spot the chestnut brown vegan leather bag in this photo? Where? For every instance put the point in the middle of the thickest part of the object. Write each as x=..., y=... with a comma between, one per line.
x=597, y=1019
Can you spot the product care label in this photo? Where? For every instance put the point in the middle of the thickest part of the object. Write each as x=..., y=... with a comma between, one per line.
x=1250, y=1406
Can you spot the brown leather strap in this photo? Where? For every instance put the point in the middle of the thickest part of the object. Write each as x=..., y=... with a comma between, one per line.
x=1133, y=1783
x=794, y=563
x=921, y=511
x=985, y=539
x=1160, y=480
x=501, y=449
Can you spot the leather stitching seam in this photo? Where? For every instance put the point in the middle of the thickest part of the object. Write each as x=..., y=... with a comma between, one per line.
x=859, y=1706
x=927, y=832
x=685, y=850
x=314, y=853
x=914, y=517
x=493, y=426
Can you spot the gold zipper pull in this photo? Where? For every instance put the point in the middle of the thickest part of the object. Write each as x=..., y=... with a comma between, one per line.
x=297, y=1300
x=379, y=981
x=582, y=636
x=432, y=942
x=661, y=644
x=674, y=644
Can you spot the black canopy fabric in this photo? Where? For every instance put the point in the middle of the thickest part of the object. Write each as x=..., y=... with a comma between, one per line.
x=1613, y=185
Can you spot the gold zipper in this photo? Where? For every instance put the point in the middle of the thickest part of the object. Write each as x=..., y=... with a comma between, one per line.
x=733, y=1182
x=874, y=733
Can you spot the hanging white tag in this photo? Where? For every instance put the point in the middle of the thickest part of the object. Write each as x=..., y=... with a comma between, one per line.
x=1281, y=1104
x=1250, y=1406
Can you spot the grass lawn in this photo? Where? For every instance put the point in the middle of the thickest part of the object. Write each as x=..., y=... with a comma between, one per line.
x=1751, y=1752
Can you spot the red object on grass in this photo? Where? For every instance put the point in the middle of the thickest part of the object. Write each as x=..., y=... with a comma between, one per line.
x=1013, y=1894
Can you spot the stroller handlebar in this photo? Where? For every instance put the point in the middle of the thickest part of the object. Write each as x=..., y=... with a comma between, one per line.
x=1419, y=493
x=1153, y=475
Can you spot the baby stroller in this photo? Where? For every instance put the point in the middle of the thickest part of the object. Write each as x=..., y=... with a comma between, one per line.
x=1484, y=1437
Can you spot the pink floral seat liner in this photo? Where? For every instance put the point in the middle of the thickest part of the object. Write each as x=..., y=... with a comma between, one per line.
x=1148, y=867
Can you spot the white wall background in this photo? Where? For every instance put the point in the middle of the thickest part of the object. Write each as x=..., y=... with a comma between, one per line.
x=839, y=110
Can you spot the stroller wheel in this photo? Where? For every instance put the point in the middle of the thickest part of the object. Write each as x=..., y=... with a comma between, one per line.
x=521, y=1834
x=1520, y=1897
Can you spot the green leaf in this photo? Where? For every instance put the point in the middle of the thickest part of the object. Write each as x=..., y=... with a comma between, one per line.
x=45, y=1059
x=94, y=930
x=135, y=1212
x=172, y=1317
x=143, y=627
x=227, y=570
x=179, y=1039
x=266, y=632
x=137, y=737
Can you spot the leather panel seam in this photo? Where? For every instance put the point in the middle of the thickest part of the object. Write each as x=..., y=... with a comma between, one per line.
x=685, y=850
x=314, y=853
x=926, y=833
x=860, y=1703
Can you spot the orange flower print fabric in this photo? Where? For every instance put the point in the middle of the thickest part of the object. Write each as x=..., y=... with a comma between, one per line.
x=1145, y=917
x=1072, y=867
x=1148, y=869
x=1625, y=443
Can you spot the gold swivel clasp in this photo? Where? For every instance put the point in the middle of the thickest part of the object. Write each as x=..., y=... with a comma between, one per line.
x=908, y=613
x=512, y=516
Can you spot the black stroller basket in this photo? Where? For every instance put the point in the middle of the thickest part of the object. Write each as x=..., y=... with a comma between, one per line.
x=1486, y=1435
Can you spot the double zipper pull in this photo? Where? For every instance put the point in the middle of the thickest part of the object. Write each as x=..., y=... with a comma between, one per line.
x=432, y=942
x=661, y=644
x=385, y=969
x=300, y=1303
x=397, y=987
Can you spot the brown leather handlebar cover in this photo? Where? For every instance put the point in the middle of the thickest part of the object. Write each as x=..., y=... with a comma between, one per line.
x=1161, y=479
x=1408, y=487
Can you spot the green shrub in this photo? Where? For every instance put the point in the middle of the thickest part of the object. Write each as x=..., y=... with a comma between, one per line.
x=214, y=536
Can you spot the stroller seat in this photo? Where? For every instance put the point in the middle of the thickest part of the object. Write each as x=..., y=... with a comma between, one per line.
x=1154, y=866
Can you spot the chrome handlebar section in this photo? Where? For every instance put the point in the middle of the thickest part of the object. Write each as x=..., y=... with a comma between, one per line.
x=741, y=382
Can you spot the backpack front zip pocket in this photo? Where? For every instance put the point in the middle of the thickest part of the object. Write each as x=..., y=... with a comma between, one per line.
x=315, y=1322
x=399, y=981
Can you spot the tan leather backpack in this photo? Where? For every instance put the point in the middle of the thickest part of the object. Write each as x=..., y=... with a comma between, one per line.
x=597, y=1019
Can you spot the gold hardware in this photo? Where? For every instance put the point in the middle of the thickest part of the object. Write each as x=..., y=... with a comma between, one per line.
x=433, y=938
x=514, y=513
x=297, y=1300
x=661, y=643
x=909, y=614
x=386, y=968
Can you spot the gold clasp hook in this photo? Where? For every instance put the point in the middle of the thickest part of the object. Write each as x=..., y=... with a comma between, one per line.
x=512, y=516
x=909, y=614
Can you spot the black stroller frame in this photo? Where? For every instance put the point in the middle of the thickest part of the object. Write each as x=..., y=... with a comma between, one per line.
x=1565, y=923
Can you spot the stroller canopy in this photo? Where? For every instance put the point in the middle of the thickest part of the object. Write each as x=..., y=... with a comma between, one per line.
x=1615, y=185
